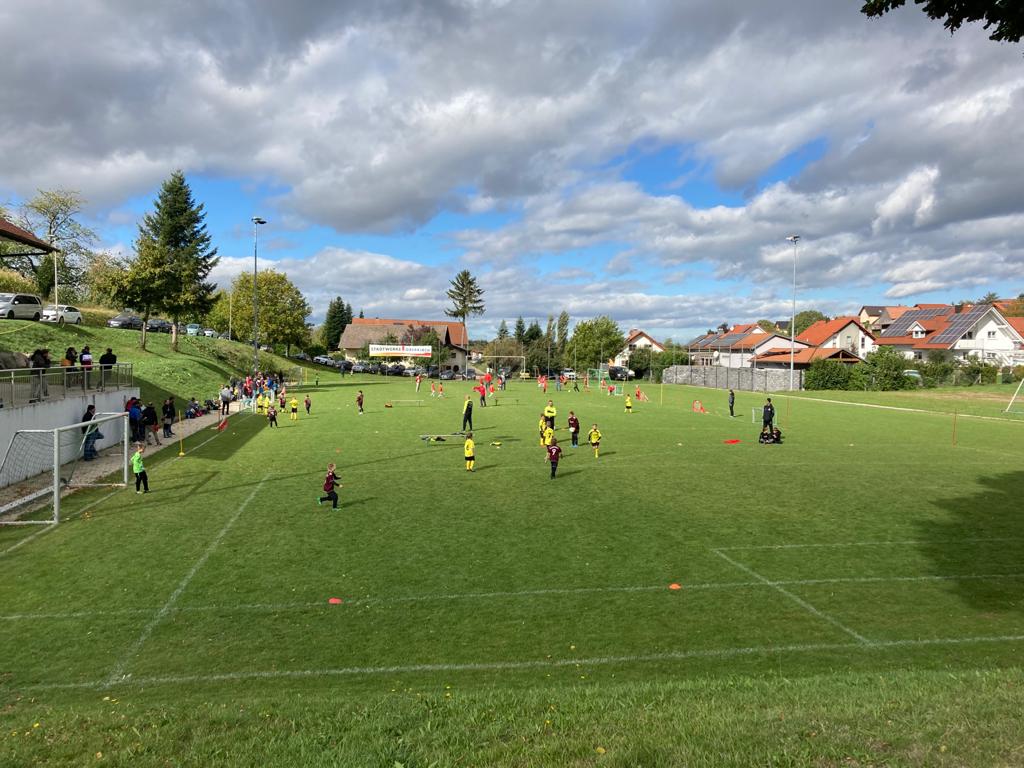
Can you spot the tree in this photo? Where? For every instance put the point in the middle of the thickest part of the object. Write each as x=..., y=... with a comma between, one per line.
x=562, y=331
x=806, y=319
x=533, y=333
x=768, y=326
x=467, y=298
x=334, y=323
x=520, y=332
x=282, y=309
x=423, y=336
x=595, y=340
x=988, y=298
x=1015, y=308
x=502, y=331
x=885, y=369
x=139, y=284
x=176, y=233
x=13, y=282
x=360, y=314
x=1007, y=16
x=50, y=215
x=827, y=374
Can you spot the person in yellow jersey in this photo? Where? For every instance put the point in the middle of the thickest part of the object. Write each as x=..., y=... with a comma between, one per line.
x=629, y=404
x=549, y=436
x=295, y=408
x=549, y=413
x=541, y=426
x=259, y=403
x=594, y=438
x=468, y=448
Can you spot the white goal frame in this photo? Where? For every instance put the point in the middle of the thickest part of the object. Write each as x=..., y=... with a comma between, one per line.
x=58, y=484
x=1016, y=394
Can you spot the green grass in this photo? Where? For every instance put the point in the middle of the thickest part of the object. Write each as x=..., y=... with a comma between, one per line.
x=853, y=597
x=199, y=369
x=984, y=400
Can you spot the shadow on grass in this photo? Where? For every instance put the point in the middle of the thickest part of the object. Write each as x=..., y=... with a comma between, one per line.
x=983, y=534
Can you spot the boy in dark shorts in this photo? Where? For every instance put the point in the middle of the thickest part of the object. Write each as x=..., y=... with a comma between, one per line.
x=272, y=416
x=574, y=429
x=554, y=453
x=359, y=402
x=595, y=439
x=308, y=403
x=330, y=482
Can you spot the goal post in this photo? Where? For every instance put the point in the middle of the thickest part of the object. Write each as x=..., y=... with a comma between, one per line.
x=41, y=465
x=1016, y=405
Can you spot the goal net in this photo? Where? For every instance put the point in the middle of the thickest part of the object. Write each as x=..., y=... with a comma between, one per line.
x=1016, y=404
x=42, y=465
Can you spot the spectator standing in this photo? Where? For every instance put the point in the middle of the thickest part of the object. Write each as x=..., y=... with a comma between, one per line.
x=168, y=412
x=732, y=402
x=107, y=361
x=768, y=414
x=225, y=400
x=135, y=421
x=85, y=358
x=91, y=434
x=40, y=361
x=149, y=423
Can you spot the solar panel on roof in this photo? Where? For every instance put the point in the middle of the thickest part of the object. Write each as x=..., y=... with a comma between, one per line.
x=960, y=325
x=707, y=341
x=728, y=340
x=902, y=324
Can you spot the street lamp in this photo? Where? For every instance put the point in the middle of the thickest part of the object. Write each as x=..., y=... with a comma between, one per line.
x=256, y=221
x=794, y=239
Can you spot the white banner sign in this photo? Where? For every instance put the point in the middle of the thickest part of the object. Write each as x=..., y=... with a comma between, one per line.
x=399, y=350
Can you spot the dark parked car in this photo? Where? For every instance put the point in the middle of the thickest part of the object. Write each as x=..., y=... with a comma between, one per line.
x=159, y=325
x=345, y=365
x=432, y=371
x=373, y=368
x=395, y=369
x=125, y=320
x=617, y=373
x=360, y=368
x=449, y=375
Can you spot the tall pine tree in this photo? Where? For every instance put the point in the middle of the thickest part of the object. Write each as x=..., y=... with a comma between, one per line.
x=335, y=322
x=502, y=331
x=520, y=332
x=175, y=235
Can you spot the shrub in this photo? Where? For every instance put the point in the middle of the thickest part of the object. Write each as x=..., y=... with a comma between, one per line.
x=886, y=366
x=12, y=282
x=827, y=374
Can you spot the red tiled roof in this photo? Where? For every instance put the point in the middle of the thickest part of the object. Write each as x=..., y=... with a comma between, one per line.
x=9, y=231
x=635, y=334
x=1017, y=323
x=823, y=330
x=456, y=330
x=804, y=356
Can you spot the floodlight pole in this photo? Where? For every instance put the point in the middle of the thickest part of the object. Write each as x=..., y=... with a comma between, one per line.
x=256, y=221
x=794, y=239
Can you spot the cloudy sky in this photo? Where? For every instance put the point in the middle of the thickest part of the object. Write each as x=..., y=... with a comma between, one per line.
x=643, y=159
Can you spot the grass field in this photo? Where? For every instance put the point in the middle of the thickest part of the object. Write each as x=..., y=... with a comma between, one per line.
x=853, y=597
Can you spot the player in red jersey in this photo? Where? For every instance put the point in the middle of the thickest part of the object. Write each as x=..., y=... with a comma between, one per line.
x=554, y=453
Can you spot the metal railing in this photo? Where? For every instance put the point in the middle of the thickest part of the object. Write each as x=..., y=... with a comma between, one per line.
x=24, y=386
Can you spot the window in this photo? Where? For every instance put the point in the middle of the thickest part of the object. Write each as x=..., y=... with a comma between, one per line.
x=991, y=334
x=917, y=356
x=918, y=333
x=632, y=347
x=969, y=335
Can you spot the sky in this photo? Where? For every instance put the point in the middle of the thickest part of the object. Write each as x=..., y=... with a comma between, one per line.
x=644, y=160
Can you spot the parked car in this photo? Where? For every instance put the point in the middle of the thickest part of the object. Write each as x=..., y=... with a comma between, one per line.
x=569, y=373
x=345, y=366
x=915, y=376
x=360, y=368
x=125, y=320
x=618, y=373
x=322, y=359
x=159, y=325
x=21, y=306
x=373, y=368
x=395, y=369
x=432, y=371
x=193, y=329
x=60, y=314
x=225, y=335
x=449, y=375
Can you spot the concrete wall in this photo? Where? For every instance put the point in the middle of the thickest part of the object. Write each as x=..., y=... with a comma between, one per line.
x=719, y=377
x=49, y=415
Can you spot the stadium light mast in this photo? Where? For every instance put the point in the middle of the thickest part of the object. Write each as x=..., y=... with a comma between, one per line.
x=256, y=221
x=794, y=239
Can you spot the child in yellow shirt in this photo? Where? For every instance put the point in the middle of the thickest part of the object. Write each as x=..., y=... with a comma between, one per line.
x=468, y=449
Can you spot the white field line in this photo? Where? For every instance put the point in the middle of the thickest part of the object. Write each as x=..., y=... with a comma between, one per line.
x=118, y=671
x=49, y=528
x=798, y=600
x=905, y=543
x=900, y=408
x=402, y=599
x=506, y=666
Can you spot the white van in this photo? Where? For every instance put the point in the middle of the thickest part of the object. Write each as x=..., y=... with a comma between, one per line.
x=22, y=306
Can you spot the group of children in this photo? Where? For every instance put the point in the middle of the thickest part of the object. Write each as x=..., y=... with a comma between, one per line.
x=549, y=442
x=265, y=403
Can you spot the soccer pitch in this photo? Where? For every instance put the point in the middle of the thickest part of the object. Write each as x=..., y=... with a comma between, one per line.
x=868, y=542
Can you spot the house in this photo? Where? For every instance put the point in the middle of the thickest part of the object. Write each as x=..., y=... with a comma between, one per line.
x=869, y=315
x=699, y=352
x=636, y=341
x=362, y=331
x=802, y=358
x=743, y=352
x=839, y=333
x=888, y=316
x=957, y=333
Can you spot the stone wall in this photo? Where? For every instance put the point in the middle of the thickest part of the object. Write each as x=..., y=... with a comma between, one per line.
x=744, y=379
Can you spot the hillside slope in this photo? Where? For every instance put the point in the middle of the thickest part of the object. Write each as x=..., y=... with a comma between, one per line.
x=198, y=369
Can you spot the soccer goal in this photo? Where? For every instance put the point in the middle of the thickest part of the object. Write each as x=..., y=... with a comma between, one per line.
x=1016, y=405
x=403, y=403
x=757, y=416
x=42, y=464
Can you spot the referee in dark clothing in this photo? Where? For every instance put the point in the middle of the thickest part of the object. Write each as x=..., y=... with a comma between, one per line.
x=768, y=414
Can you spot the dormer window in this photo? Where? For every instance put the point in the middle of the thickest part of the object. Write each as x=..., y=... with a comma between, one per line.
x=918, y=333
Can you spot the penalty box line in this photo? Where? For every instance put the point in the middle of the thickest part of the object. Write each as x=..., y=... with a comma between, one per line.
x=118, y=672
x=796, y=599
x=510, y=666
x=724, y=586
